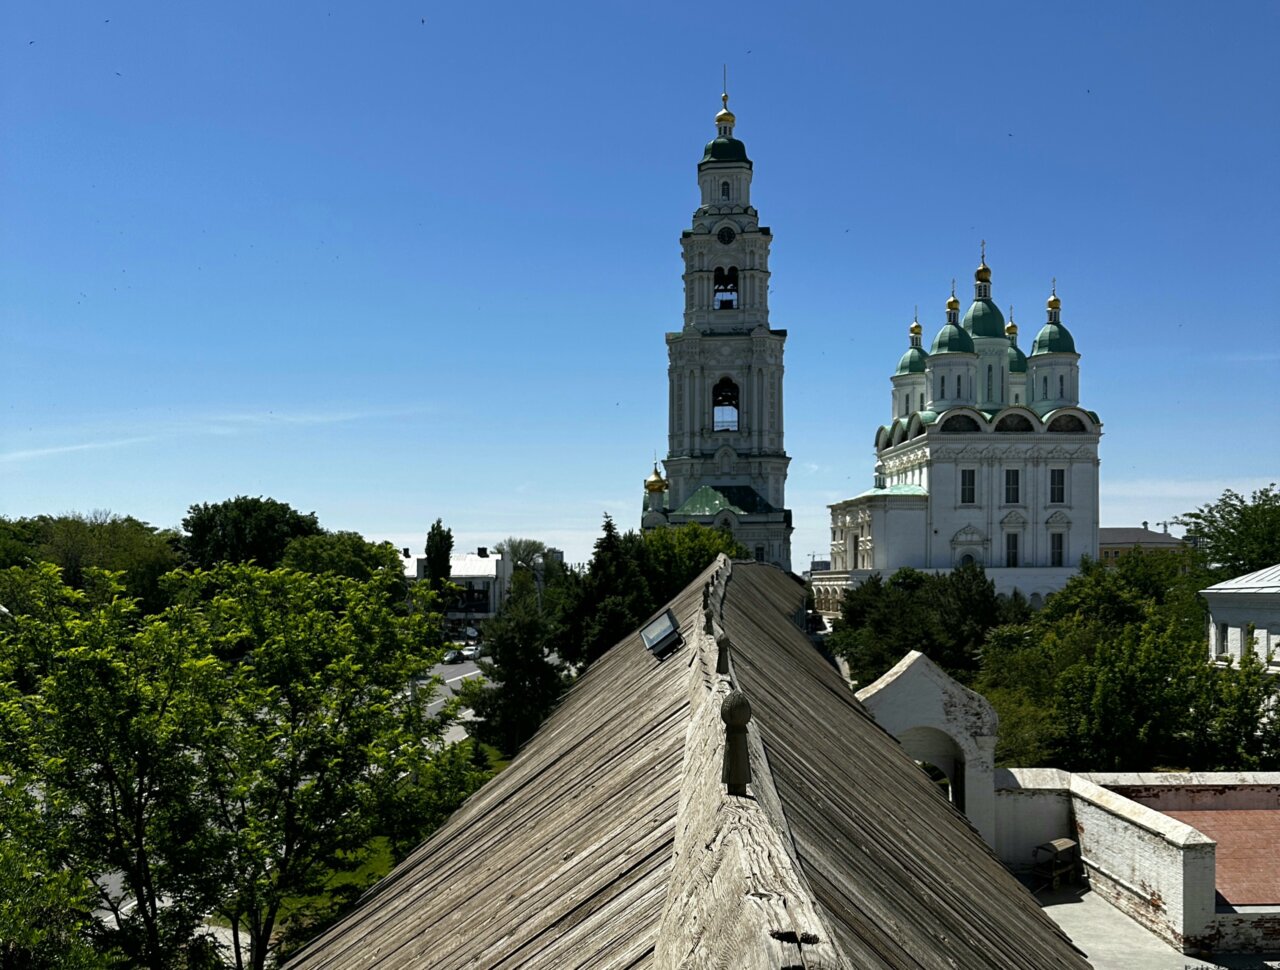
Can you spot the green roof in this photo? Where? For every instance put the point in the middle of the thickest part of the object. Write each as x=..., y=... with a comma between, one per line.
x=725, y=150
x=912, y=362
x=893, y=490
x=984, y=319
x=1053, y=338
x=741, y=499
x=952, y=340
x=1017, y=360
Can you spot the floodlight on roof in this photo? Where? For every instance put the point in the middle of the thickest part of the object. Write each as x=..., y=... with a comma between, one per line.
x=661, y=635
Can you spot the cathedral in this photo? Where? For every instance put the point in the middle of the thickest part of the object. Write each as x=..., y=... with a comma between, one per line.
x=988, y=458
x=725, y=463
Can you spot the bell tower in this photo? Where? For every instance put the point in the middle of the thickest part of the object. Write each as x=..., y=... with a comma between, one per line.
x=725, y=461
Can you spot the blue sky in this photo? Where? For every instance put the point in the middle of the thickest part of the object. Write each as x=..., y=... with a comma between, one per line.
x=393, y=262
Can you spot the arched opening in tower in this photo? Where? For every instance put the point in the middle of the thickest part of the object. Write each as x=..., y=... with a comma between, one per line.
x=724, y=406
x=726, y=288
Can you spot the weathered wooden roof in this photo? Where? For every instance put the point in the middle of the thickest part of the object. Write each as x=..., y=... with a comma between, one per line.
x=610, y=841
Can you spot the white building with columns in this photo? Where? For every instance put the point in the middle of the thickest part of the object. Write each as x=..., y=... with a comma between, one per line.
x=726, y=464
x=988, y=458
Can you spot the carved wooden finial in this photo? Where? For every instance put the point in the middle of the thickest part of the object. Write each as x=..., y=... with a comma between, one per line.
x=722, y=655
x=735, y=711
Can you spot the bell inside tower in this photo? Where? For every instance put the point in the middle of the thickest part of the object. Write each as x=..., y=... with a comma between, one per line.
x=726, y=288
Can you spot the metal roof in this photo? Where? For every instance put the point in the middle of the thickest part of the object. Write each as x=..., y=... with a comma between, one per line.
x=610, y=841
x=1266, y=580
x=1127, y=536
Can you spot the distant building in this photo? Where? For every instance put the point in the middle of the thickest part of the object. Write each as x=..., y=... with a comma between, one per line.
x=726, y=464
x=1244, y=607
x=1115, y=542
x=483, y=575
x=988, y=459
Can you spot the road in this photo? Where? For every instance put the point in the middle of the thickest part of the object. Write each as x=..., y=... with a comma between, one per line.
x=453, y=675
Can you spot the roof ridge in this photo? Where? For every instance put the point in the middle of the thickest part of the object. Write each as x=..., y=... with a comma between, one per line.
x=737, y=890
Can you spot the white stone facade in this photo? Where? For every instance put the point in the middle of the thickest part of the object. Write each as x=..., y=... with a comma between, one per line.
x=988, y=458
x=1244, y=616
x=726, y=464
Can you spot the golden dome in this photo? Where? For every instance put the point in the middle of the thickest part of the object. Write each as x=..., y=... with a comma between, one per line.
x=1011, y=329
x=916, y=329
x=725, y=116
x=655, y=482
x=953, y=303
x=1053, y=303
x=983, y=273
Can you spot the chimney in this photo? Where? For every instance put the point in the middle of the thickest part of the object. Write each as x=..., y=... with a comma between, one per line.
x=1144, y=526
x=483, y=552
x=405, y=552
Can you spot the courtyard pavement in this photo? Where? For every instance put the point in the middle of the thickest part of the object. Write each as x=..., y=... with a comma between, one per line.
x=1112, y=941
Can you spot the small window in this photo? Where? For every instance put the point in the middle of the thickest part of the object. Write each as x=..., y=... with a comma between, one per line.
x=1011, y=486
x=1061, y=385
x=1057, y=486
x=959, y=387
x=724, y=406
x=1057, y=549
x=1045, y=394
x=967, y=560
x=1011, y=550
x=922, y=400
x=1017, y=398
x=942, y=392
x=724, y=191
x=968, y=486
x=990, y=395
x=759, y=553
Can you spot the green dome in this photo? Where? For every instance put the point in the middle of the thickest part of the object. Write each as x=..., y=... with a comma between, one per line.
x=952, y=340
x=984, y=319
x=1053, y=338
x=912, y=362
x=725, y=150
x=1017, y=360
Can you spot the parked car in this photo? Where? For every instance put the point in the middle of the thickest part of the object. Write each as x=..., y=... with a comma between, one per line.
x=453, y=657
x=473, y=651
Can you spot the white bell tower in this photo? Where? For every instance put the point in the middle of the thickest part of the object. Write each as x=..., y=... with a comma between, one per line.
x=725, y=460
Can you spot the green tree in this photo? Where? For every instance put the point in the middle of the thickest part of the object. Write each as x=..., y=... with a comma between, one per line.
x=345, y=554
x=522, y=679
x=229, y=754
x=46, y=911
x=1236, y=534
x=675, y=555
x=243, y=529
x=110, y=736
x=439, y=549
x=521, y=552
x=323, y=719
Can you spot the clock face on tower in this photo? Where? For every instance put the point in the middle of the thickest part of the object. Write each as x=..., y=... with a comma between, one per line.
x=726, y=235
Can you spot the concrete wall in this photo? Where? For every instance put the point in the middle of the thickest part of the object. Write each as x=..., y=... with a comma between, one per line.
x=1031, y=813
x=1153, y=868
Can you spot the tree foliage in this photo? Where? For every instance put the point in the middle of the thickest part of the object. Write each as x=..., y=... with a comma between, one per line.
x=439, y=549
x=946, y=617
x=345, y=554
x=98, y=540
x=228, y=754
x=243, y=529
x=1236, y=534
x=521, y=552
x=1113, y=674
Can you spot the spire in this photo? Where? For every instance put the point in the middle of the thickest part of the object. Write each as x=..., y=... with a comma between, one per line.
x=982, y=277
x=724, y=118
x=953, y=305
x=1011, y=328
x=1053, y=304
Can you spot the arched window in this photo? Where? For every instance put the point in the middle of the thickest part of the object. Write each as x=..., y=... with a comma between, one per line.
x=1061, y=384
x=724, y=406
x=726, y=288
x=959, y=386
x=990, y=395
x=922, y=400
x=942, y=392
x=724, y=191
x=1045, y=395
